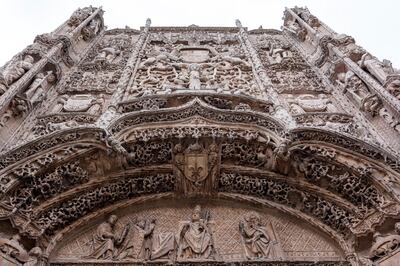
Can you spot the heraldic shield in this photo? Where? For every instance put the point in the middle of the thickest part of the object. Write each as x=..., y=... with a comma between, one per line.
x=196, y=167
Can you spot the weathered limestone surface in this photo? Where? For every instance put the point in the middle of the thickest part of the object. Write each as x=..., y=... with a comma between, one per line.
x=199, y=146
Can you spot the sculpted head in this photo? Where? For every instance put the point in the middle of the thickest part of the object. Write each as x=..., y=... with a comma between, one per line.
x=29, y=59
x=112, y=219
x=196, y=213
x=397, y=228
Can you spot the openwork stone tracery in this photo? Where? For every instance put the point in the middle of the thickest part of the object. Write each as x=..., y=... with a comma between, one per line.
x=198, y=145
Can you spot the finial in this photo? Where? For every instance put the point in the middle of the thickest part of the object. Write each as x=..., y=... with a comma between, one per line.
x=148, y=22
x=238, y=23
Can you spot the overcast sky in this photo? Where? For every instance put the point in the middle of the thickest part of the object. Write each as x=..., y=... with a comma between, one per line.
x=375, y=25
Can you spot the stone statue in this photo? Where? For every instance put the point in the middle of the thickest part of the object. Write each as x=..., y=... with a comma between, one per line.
x=34, y=256
x=379, y=70
x=394, y=88
x=80, y=15
x=155, y=246
x=36, y=92
x=294, y=27
x=359, y=91
x=195, y=239
x=147, y=227
x=258, y=241
x=97, y=105
x=107, y=244
x=15, y=72
x=194, y=77
x=92, y=29
x=13, y=248
x=385, y=245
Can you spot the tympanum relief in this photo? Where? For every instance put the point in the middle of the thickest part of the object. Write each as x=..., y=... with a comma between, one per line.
x=196, y=233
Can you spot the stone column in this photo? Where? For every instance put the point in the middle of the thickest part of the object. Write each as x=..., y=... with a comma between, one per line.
x=261, y=76
x=127, y=73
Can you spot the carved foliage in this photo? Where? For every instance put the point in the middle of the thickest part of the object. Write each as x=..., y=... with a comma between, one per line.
x=328, y=212
x=72, y=209
x=44, y=186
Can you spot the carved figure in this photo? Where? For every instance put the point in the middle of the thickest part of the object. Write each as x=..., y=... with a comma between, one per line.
x=107, y=244
x=34, y=256
x=15, y=72
x=108, y=54
x=379, y=70
x=14, y=248
x=195, y=238
x=92, y=29
x=147, y=227
x=155, y=246
x=352, y=84
x=385, y=245
x=294, y=27
x=80, y=15
x=258, y=240
x=194, y=80
x=36, y=92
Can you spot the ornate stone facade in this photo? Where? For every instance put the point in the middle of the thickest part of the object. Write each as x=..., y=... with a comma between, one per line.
x=199, y=146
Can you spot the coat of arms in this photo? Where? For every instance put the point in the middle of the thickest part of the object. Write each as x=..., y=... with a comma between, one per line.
x=196, y=167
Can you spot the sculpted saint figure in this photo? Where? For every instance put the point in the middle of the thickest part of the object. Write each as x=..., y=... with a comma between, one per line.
x=195, y=239
x=15, y=72
x=37, y=90
x=107, y=244
x=258, y=240
x=155, y=246
x=380, y=70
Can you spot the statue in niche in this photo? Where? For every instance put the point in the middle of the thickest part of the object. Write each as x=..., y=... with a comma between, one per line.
x=14, y=248
x=385, y=245
x=92, y=29
x=352, y=84
x=259, y=241
x=107, y=244
x=155, y=246
x=379, y=70
x=34, y=256
x=294, y=27
x=305, y=15
x=36, y=92
x=195, y=238
x=394, y=88
x=15, y=72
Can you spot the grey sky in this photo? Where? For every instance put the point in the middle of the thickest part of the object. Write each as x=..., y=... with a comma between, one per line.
x=374, y=24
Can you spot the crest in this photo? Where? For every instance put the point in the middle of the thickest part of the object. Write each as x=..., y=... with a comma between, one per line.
x=196, y=164
x=196, y=167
